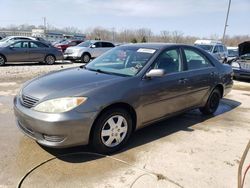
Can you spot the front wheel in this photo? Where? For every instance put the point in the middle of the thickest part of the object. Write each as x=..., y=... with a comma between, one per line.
x=2, y=60
x=111, y=131
x=212, y=103
x=50, y=59
x=85, y=58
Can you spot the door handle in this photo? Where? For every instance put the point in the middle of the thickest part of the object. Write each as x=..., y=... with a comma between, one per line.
x=183, y=80
x=212, y=73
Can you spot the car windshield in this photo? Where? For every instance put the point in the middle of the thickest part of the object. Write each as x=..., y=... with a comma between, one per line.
x=5, y=39
x=232, y=52
x=208, y=48
x=245, y=56
x=124, y=61
x=65, y=42
x=86, y=43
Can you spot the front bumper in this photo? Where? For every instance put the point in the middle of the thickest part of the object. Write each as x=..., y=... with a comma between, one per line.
x=71, y=57
x=241, y=73
x=54, y=130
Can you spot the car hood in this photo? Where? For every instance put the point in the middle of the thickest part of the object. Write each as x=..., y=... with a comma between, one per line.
x=68, y=82
x=244, y=48
x=77, y=48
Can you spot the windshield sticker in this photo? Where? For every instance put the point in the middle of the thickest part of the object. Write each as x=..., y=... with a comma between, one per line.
x=145, y=50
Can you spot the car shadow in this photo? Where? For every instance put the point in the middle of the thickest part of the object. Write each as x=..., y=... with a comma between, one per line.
x=183, y=122
x=18, y=64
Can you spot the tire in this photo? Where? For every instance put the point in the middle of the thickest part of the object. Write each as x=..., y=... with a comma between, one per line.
x=50, y=59
x=107, y=138
x=2, y=60
x=212, y=102
x=85, y=58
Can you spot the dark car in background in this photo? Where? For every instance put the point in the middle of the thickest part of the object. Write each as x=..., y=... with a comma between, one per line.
x=67, y=43
x=121, y=91
x=28, y=51
x=241, y=66
x=233, y=54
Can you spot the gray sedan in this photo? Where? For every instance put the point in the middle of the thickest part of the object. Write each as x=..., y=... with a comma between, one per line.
x=123, y=90
x=26, y=50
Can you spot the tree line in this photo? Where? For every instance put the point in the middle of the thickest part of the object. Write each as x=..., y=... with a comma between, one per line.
x=132, y=35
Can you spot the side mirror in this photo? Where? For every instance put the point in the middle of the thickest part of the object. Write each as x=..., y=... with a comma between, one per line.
x=155, y=73
x=93, y=46
x=11, y=46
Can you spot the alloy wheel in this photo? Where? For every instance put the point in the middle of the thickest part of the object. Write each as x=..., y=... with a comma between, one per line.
x=114, y=131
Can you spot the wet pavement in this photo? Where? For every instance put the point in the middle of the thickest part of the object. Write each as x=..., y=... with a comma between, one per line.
x=189, y=150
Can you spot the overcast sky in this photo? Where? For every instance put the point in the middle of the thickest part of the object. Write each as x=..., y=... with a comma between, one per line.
x=192, y=17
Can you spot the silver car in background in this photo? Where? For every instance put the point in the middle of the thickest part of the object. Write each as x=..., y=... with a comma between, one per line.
x=216, y=48
x=27, y=50
x=87, y=50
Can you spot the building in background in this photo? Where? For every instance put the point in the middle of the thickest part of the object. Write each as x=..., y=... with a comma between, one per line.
x=50, y=35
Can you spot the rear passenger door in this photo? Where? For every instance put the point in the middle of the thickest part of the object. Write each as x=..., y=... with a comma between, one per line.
x=37, y=51
x=200, y=76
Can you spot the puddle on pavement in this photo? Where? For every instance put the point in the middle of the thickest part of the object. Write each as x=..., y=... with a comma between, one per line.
x=89, y=170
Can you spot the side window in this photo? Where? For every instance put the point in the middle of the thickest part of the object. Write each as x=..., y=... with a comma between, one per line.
x=107, y=45
x=195, y=60
x=25, y=44
x=33, y=45
x=73, y=43
x=216, y=49
x=17, y=45
x=98, y=44
x=221, y=48
x=169, y=60
x=41, y=45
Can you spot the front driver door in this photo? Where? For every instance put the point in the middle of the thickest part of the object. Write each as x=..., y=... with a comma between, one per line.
x=164, y=95
x=18, y=51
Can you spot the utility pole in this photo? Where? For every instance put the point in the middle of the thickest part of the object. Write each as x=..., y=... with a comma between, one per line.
x=44, y=24
x=225, y=28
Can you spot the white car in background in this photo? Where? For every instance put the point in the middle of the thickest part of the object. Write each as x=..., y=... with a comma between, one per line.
x=87, y=50
x=216, y=48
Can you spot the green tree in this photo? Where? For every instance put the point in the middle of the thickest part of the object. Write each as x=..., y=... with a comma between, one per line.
x=143, y=40
x=134, y=40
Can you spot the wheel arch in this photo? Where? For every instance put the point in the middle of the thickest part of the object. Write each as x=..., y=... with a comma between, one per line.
x=3, y=57
x=220, y=87
x=87, y=54
x=122, y=105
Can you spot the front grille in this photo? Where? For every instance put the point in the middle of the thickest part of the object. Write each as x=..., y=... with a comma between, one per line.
x=29, y=101
x=245, y=66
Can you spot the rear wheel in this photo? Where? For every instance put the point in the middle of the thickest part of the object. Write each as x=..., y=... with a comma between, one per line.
x=212, y=102
x=85, y=58
x=50, y=59
x=2, y=60
x=111, y=130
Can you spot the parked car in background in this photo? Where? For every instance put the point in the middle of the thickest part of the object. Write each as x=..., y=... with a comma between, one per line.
x=29, y=50
x=217, y=48
x=233, y=54
x=87, y=50
x=11, y=39
x=241, y=66
x=123, y=90
x=65, y=44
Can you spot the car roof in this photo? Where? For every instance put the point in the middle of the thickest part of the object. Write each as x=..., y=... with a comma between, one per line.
x=154, y=45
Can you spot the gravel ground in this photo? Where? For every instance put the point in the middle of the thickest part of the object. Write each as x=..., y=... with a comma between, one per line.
x=19, y=72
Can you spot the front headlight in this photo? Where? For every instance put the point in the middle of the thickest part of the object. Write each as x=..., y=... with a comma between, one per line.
x=235, y=65
x=59, y=105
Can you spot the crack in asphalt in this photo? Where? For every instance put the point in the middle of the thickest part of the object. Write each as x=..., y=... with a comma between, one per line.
x=159, y=177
